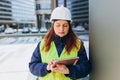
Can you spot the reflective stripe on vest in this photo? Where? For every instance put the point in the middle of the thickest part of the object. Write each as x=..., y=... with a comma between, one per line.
x=52, y=55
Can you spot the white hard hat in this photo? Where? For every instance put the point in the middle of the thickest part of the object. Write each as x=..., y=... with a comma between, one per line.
x=61, y=13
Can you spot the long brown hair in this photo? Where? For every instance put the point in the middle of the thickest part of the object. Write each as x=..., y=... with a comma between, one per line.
x=71, y=39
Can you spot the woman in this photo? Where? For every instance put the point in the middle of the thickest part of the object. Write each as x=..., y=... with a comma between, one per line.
x=59, y=43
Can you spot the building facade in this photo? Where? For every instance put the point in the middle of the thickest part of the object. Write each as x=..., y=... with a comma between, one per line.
x=17, y=13
x=79, y=10
x=43, y=11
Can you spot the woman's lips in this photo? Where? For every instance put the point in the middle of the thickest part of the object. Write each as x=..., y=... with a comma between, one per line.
x=61, y=32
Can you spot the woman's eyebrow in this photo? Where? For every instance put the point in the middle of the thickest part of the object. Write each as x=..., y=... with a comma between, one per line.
x=61, y=23
x=65, y=23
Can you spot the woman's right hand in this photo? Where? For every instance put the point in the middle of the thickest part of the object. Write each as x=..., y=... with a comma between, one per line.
x=57, y=68
x=50, y=66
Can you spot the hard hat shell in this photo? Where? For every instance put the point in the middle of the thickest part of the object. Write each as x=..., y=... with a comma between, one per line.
x=61, y=13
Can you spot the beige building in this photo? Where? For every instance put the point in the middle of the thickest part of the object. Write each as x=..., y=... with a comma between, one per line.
x=43, y=11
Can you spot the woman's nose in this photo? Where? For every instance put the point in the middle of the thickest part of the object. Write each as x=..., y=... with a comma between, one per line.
x=61, y=28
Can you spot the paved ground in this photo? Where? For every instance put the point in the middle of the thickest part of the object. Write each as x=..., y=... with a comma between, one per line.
x=15, y=54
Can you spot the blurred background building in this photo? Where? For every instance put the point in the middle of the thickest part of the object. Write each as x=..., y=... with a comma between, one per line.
x=43, y=11
x=36, y=13
x=17, y=13
x=79, y=10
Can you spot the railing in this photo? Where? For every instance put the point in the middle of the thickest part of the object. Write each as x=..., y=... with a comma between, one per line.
x=21, y=34
x=34, y=34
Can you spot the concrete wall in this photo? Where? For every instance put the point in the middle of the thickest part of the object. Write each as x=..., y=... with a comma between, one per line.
x=104, y=19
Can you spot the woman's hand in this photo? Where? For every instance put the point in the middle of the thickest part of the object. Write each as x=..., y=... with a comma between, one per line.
x=57, y=68
x=60, y=68
x=50, y=66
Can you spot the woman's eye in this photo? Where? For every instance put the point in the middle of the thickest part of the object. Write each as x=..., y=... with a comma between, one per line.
x=65, y=25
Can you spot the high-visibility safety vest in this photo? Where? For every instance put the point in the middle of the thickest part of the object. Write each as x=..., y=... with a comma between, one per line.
x=52, y=55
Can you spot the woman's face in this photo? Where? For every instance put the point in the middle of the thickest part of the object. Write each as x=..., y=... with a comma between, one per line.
x=61, y=27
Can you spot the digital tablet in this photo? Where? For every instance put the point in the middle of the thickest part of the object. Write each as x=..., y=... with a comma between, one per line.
x=69, y=61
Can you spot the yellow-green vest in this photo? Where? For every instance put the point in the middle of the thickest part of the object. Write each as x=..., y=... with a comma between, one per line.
x=52, y=55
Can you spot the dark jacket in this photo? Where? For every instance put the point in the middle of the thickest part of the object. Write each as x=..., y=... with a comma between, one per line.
x=80, y=70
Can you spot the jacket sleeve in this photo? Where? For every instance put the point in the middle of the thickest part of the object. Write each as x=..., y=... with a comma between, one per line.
x=36, y=66
x=82, y=67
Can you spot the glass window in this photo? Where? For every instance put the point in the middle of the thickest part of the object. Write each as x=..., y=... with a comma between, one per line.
x=44, y=6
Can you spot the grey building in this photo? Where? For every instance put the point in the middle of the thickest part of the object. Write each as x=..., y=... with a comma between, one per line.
x=17, y=13
x=79, y=10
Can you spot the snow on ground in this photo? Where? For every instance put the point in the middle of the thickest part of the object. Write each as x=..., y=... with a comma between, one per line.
x=15, y=54
x=14, y=61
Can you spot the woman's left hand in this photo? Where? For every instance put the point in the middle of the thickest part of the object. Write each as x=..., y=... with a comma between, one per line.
x=61, y=68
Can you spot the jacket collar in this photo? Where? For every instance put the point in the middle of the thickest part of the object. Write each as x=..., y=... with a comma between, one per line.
x=59, y=39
